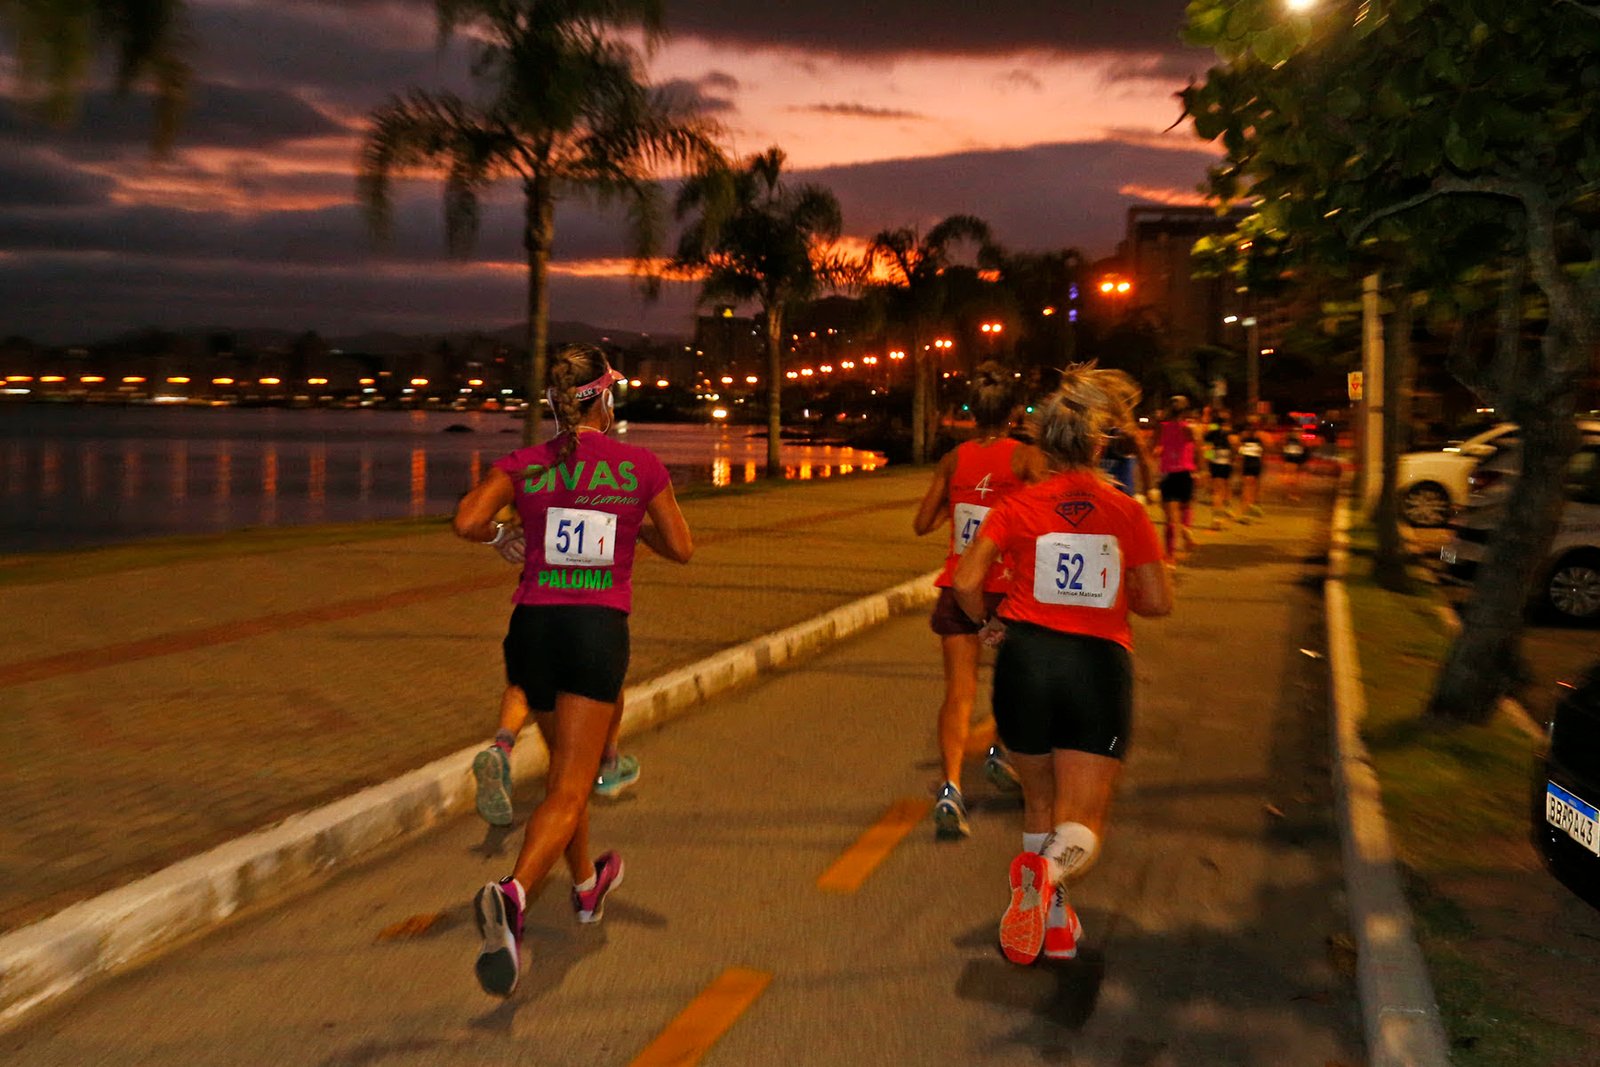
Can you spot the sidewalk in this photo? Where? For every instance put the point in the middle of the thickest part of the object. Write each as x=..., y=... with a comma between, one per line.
x=1207, y=918
x=153, y=714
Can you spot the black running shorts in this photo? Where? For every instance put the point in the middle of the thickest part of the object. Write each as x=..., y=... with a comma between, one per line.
x=1222, y=471
x=566, y=648
x=949, y=620
x=1058, y=690
x=1178, y=487
x=1252, y=466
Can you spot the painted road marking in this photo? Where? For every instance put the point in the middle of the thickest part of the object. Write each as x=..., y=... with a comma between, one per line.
x=863, y=857
x=708, y=1016
x=83, y=660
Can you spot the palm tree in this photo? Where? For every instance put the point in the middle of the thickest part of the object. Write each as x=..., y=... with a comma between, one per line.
x=909, y=272
x=567, y=111
x=57, y=40
x=755, y=238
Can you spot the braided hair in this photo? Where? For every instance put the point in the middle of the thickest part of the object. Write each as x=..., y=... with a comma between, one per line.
x=1071, y=423
x=571, y=367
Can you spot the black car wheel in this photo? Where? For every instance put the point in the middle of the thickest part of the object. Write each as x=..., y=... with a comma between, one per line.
x=1573, y=588
x=1425, y=504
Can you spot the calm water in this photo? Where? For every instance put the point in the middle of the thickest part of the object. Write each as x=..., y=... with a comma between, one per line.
x=72, y=477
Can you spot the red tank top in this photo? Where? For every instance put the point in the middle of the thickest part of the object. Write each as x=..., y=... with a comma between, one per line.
x=982, y=477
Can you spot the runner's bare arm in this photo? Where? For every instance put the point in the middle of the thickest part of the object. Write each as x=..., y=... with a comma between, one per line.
x=932, y=511
x=1150, y=589
x=667, y=533
x=967, y=582
x=474, y=518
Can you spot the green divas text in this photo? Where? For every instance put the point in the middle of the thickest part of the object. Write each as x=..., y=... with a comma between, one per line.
x=538, y=479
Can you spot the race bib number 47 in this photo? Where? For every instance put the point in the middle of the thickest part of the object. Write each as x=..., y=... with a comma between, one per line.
x=575, y=537
x=967, y=518
x=1080, y=569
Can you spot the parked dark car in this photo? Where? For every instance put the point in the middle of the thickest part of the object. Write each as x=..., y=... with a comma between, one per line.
x=1566, y=793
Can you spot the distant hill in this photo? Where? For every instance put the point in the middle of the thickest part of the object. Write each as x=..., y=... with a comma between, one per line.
x=383, y=343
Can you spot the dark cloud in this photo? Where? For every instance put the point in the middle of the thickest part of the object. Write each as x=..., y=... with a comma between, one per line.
x=29, y=180
x=705, y=95
x=219, y=116
x=949, y=27
x=357, y=57
x=859, y=111
x=320, y=269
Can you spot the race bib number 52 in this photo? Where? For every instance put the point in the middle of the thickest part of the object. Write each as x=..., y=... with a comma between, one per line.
x=575, y=537
x=1080, y=569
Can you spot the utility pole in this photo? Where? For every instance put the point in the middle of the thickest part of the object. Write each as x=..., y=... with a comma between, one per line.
x=1252, y=333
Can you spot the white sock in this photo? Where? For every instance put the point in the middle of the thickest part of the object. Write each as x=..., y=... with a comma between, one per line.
x=1071, y=849
x=1034, y=842
x=584, y=887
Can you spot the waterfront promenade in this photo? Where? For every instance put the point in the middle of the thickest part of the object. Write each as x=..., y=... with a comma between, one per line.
x=785, y=899
x=153, y=713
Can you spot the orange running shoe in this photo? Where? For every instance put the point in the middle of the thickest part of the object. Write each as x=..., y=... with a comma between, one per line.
x=1022, y=926
x=1062, y=930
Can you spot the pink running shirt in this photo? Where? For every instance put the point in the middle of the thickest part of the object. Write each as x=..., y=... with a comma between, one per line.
x=581, y=520
x=1177, y=447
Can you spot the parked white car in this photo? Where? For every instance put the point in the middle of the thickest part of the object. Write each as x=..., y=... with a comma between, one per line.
x=1569, y=582
x=1433, y=485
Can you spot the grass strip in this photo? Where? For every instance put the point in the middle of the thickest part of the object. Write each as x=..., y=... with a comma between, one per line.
x=1456, y=801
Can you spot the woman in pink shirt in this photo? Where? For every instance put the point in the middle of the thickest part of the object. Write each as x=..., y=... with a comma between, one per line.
x=585, y=501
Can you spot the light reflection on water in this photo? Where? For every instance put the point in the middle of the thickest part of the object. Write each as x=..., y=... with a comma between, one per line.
x=73, y=477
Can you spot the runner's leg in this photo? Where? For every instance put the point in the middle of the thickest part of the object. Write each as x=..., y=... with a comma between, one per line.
x=579, y=735
x=960, y=692
x=579, y=863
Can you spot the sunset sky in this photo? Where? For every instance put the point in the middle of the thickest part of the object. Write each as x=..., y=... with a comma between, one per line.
x=1045, y=118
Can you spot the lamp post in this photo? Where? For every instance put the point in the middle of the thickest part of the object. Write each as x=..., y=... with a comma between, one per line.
x=1252, y=359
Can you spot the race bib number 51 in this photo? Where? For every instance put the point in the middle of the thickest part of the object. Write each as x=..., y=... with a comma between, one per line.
x=967, y=519
x=575, y=537
x=1080, y=569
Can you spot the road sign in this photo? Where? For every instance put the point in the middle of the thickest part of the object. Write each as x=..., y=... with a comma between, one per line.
x=1353, y=384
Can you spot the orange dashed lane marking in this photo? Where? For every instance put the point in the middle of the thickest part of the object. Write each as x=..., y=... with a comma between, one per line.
x=708, y=1016
x=43, y=668
x=863, y=857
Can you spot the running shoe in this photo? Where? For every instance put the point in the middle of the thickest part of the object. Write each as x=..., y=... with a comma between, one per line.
x=1256, y=511
x=498, y=908
x=617, y=776
x=1022, y=926
x=492, y=769
x=950, y=814
x=590, y=904
x=1062, y=930
x=1001, y=774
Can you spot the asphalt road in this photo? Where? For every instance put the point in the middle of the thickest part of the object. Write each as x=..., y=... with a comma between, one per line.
x=1207, y=921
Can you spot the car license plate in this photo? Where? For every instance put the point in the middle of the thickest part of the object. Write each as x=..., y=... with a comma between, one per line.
x=1578, y=818
x=1447, y=555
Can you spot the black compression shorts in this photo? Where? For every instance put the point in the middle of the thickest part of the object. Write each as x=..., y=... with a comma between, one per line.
x=1177, y=486
x=949, y=620
x=1058, y=690
x=1252, y=466
x=1224, y=471
x=566, y=648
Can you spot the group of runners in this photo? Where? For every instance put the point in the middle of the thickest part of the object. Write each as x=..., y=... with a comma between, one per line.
x=1051, y=550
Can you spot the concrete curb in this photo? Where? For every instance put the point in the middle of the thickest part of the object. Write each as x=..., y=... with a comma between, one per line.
x=127, y=926
x=1399, y=1012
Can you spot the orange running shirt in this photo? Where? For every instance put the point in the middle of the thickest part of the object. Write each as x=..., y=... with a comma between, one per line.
x=1069, y=543
x=981, y=479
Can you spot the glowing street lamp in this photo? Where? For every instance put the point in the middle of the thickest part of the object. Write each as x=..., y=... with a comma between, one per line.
x=1115, y=285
